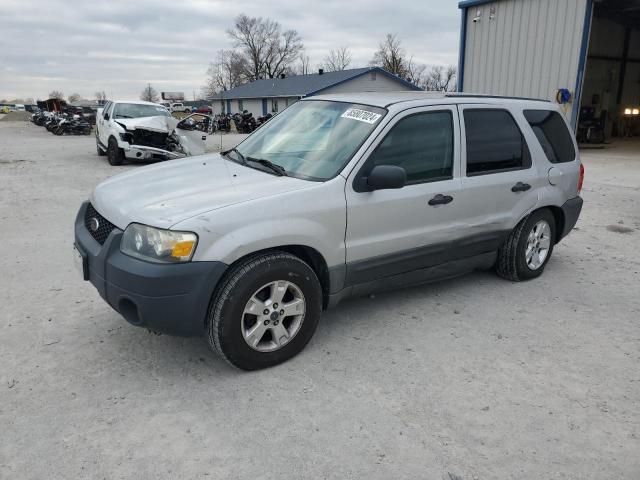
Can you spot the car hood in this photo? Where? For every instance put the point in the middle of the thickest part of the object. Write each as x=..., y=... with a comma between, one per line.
x=164, y=194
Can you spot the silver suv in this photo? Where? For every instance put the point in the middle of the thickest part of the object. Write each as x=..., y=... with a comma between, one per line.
x=339, y=195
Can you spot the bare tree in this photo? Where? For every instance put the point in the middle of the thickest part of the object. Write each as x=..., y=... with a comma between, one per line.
x=74, y=97
x=101, y=96
x=267, y=49
x=229, y=70
x=283, y=51
x=338, y=59
x=414, y=72
x=304, y=64
x=56, y=94
x=391, y=56
x=441, y=79
x=252, y=36
x=149, y=94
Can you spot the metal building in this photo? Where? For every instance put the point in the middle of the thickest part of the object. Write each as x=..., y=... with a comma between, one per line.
x=584, y=54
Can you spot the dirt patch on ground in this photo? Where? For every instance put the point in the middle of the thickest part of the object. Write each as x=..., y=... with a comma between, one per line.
x=619, y=229
x=16, y=117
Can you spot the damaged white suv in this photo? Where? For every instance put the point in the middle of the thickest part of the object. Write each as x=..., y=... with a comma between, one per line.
x=144, y=131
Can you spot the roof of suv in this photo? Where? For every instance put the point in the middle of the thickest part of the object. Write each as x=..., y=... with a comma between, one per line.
x=384, y=99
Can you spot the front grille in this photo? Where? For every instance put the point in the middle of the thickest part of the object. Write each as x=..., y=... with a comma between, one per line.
x=104, y=226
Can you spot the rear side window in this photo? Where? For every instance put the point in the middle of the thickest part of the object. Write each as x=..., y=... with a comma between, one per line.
x=553, y=135
x=422, y=144
x=494, y=142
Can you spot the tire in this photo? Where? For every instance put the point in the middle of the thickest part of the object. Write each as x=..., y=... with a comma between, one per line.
x=513, y=261
x=114, y=153
x=101, y=153
x=228, y=324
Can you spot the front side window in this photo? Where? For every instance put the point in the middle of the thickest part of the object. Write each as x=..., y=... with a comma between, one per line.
x=133, y=110
x=313, y=139
x=494, y=142
x=422, y=144
x=553, y=135
x=105, y=110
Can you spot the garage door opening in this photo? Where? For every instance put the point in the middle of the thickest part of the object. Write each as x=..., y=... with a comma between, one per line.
x=610, y=99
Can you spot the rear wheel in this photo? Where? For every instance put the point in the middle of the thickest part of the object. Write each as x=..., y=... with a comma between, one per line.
x=114, y=153
x=265, y=311
x=528, y=248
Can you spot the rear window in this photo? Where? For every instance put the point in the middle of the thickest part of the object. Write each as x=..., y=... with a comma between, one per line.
x=494, y=142
x=553, y=135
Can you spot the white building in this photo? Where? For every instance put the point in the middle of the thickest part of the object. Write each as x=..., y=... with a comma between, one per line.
x=535, y=48
x=272, y=95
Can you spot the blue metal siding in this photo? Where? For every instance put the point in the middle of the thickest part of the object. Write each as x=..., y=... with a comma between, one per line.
x=586, y=30
x=463, y=43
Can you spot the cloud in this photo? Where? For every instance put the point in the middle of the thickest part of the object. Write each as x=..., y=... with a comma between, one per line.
x=119, y=46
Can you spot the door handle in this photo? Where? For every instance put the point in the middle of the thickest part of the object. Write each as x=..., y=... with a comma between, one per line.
x=520, y=187
x=440, y=199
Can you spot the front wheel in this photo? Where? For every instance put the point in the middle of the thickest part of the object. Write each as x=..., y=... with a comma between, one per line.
x=528, y=247
x=114, y=153
x=265, y=311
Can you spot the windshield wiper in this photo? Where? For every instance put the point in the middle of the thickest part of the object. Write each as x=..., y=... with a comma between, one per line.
x=277, y=169
x=235, y=150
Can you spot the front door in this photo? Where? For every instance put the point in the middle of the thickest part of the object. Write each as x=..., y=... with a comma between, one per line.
x=400, y=230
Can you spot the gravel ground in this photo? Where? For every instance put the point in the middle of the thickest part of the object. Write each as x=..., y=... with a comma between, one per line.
x=472, y=378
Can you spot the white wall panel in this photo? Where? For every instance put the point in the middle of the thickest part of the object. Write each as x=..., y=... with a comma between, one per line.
x=529, y=48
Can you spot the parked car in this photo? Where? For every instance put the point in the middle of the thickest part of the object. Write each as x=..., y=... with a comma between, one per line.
x=19, y=107
x=204, y=109
x=338, y=195
x=180, y=107
x=143, y=131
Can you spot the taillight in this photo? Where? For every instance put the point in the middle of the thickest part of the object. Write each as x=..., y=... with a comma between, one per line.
x=581, y=178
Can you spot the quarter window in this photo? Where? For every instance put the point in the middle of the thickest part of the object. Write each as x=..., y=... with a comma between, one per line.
x=422, y=144
x=553, y=135
x=494, y=142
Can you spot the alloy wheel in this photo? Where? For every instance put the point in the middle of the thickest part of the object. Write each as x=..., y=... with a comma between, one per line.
x=538, y=244
x=273, y=316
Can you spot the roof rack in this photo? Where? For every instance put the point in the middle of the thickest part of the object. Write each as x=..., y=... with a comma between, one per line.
x=482, y=95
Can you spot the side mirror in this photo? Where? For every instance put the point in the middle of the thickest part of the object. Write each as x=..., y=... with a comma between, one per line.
x=384, y=177
x=106, y=116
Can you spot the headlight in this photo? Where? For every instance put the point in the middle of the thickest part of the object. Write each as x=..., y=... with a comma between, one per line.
x=158, y=245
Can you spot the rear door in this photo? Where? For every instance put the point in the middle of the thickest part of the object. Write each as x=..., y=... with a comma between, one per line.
x=499, y=182
x=396, y=231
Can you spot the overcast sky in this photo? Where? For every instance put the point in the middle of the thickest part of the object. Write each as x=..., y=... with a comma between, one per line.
x=119, y=46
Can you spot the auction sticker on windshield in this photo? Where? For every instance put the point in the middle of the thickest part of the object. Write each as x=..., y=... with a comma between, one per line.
x=361, y=115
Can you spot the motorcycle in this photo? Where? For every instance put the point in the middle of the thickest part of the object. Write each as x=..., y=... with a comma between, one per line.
x=264, y=119
x=72, y=125
x=223, y=122
x=245, y=123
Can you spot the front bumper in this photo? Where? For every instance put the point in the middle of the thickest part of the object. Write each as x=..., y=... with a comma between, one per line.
x=571, y=211
x=141, y=152
x=168, y=298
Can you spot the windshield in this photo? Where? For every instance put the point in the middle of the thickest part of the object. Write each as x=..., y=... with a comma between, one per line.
x=133, y=110
x=313, y=139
